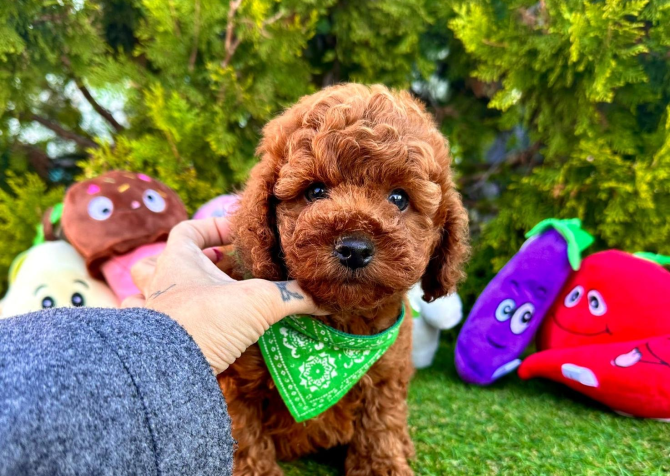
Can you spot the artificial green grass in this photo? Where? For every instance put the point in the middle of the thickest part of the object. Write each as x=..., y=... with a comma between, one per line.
x=514, y=427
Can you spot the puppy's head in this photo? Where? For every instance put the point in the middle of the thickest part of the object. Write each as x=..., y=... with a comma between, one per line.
x=353, y=198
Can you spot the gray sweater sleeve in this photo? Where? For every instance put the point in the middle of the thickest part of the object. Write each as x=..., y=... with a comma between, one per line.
x=106, y=391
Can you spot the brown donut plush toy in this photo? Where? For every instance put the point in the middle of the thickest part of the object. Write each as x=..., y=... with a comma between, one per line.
x=118, y=218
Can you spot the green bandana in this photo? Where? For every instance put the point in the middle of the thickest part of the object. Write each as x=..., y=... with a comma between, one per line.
x=314, y=365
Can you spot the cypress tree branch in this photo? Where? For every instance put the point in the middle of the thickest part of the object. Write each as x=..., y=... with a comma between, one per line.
x=98, y=108
x=64, y=133
x=175, y=18
x=196, y=36
x=91, y=100
x=273, y=19
x=270, y=21
x=56, y=18
x=37, y=158
x=231, y=44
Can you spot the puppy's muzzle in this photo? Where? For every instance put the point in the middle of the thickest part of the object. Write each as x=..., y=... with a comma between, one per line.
x=354, y=252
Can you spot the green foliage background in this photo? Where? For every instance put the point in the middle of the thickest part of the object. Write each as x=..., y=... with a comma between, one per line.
x=552, y=108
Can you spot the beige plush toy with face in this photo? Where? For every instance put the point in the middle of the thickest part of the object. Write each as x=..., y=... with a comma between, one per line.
x=49, y=275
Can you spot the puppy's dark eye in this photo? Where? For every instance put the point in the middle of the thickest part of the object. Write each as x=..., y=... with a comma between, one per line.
x=399, y=198
x=316, y=191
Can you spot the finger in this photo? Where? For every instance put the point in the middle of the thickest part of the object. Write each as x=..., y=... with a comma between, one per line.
x=143, y=272
x=136, y=300
x=202, y=234
x=184, y=254
x=214, y=254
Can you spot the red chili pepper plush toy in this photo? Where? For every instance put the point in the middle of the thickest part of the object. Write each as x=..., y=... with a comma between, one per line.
x=632, y=378
x=614, y=297
x=608, y=334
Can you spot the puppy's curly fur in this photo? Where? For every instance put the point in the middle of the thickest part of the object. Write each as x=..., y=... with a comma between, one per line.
x=361, y=143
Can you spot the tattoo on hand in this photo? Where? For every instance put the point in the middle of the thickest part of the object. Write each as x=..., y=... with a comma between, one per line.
x=287, y=295
x=158, y=293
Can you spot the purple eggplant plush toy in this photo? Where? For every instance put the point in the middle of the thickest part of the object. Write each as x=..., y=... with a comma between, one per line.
x=507, y=314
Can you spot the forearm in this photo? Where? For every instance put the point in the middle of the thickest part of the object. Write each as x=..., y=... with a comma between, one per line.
x=94, y=391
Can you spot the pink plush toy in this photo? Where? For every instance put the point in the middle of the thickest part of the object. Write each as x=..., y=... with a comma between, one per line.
x=221, y=206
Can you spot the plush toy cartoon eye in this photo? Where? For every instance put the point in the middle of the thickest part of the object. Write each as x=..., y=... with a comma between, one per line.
x=399, y=198
x=48, y=302
x=521, y=318
x=77, y=300
x=316, y=191
x=100, y=208
x=153, y=201
x=574, y=297
x=505, y=310
x=597, y=305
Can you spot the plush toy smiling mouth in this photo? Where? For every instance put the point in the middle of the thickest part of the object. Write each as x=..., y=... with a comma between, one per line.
x=586, y=333
x=494, y=343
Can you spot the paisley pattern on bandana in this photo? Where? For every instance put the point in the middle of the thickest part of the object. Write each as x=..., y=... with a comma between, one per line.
x=314, y=365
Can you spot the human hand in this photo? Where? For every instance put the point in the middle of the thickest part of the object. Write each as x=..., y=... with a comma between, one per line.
x=223, y=316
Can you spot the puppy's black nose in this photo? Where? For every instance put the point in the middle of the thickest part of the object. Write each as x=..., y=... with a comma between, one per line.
x=354, y=253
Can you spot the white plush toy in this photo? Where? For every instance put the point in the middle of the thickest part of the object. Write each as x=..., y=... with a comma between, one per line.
x=52, y=274
x=429, y=319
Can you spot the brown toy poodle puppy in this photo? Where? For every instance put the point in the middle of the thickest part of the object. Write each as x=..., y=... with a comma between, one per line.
x=353, y=198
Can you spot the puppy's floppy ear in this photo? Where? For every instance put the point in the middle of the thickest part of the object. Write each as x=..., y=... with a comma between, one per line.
x=445, y=268
x=254, y=222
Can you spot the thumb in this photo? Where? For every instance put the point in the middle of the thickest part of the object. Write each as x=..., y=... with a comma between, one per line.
x=136, y=300
x=142, y=272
